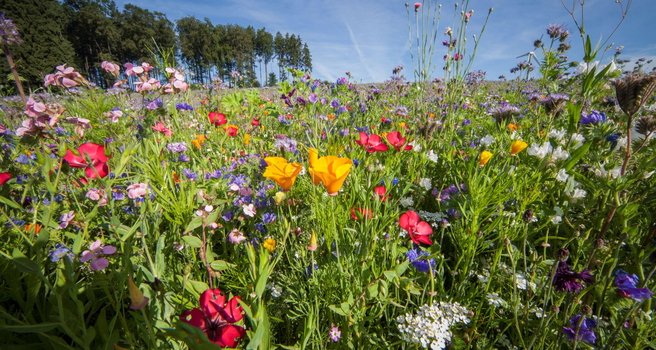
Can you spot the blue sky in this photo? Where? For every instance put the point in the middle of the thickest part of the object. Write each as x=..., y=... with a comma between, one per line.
x=370, y=37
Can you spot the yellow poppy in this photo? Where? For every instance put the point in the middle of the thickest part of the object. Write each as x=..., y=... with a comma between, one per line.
x=484, y=158
x=269, y=244
x=281, y=171
x=199, y=141
x=330, y=171
x=517, y=146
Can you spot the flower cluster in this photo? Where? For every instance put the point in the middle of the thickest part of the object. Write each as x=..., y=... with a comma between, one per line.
x=430, y=326
x=65, y=77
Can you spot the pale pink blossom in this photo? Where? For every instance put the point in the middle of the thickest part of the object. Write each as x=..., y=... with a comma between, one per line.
x=111, y=68
x=137, y=191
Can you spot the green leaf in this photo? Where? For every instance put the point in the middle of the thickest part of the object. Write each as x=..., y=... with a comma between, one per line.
x=30, y=328
x=372, y=290
x=192, y=241
x=196, y=287
x=23, y=264
x=577, y=155
x=221, y=265
x=8, y=202
x=337, y=310
x=195, y=223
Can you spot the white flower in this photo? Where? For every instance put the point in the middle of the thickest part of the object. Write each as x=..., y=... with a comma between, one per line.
x=426, y=183
x=495, y=300
x=407, y=202
x=432, y=156
x=615, y=172
x=559, y=154
x=415, y=146
x=578, y=193
x=249, y=210
x=562, y=175
x=540, y=151
x=487, y=140
x=557, y=134
x=429, y=327
x=522, y=283
x=577, y=140
x=585, y=67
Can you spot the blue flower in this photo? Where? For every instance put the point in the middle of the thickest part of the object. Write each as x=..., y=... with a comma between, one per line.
x=627, y=286
x=581, y=330
x=268, y=218
x=155, y=104
x=59, y=252
x=184, y=107
x=417, y=256
x=593, y=118
x=189, y=174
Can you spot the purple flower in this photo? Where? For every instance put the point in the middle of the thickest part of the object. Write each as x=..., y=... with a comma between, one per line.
x=334, y=334
x=189, y=174
x=268, y=218
x=581, y=329
x=593, y=118
x=155, y=104
x=627, y=286
x=96, y=254
x=569, y=281
x=66, y=219
x=177, y=147
x=313, y=98
x=417, y=258
x=183, y=158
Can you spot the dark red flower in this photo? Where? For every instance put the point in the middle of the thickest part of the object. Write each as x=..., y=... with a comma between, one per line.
x=217, y=318
x=255, y=122
x=217, y=119
x=4, y=177
x=371, y=143
x=419, y=231
x=398, y=141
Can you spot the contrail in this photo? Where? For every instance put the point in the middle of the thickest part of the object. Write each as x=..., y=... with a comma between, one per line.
x=357, y=49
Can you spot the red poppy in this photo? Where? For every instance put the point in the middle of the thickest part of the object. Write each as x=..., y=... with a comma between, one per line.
x=97, y=168
x=217, y=118
x=418, y=230
x=381, y=193
x=4, y=177
x=371, y=143
x=398, y=141
x=232, y=130
x=255, y=122
x=217, y=318
x=95, y=153
x=361, y=213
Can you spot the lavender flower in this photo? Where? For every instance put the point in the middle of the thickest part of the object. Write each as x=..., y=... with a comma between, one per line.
x=334, y=334
x=8, y=32
x=155, y=104
x=189, y=174
x=569, y=281
x=581, y=330
x=627, y=286
x=66, y=219
x=96, y=254
x=177, y=147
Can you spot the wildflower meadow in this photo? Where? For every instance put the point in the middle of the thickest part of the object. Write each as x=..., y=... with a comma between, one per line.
x=448, y=213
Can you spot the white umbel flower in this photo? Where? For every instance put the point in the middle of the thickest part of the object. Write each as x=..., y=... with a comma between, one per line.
x=430, y=325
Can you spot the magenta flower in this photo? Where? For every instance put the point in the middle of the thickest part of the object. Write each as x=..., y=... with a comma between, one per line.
x=372, y=143
x=96, y=254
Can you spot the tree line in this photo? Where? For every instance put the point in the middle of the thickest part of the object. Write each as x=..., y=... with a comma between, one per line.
x=83, y=33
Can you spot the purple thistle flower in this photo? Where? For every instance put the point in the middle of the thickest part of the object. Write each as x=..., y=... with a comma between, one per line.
x=96, y=254
x=627, y=286
x=184, y=107
x=177, y=147
x=569, y=281
x=581, y=330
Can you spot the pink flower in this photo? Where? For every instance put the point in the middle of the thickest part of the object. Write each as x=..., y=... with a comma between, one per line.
x=371, y=143
x=417, y=6
x=160, y=127
x=137, y=191
x=419, y=231
x=96, y=254
x=111, y=68
x=95, y=152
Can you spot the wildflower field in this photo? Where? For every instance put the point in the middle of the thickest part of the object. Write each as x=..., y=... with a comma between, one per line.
x=453, y=213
